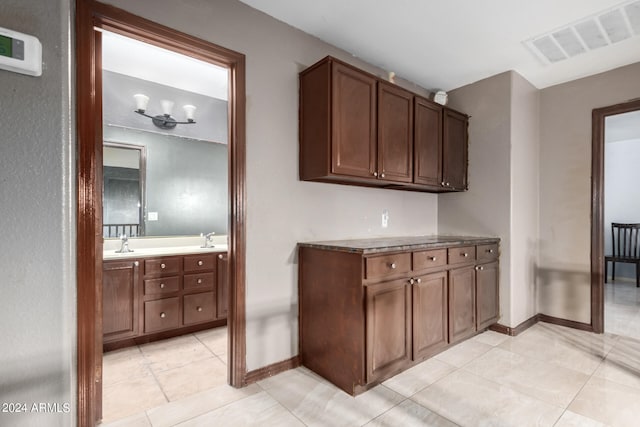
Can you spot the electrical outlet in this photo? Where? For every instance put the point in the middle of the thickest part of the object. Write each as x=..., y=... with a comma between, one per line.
x=385, y=218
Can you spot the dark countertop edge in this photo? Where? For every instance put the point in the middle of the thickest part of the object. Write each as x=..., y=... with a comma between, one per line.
x=392, y=246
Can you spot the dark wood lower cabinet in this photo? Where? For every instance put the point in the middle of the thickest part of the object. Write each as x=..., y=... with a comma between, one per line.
x=462, y=322
x=120, y=282
x=430, y=314
x=388, y=328
x=487, y=310
x=368, y=313
x=145, y=299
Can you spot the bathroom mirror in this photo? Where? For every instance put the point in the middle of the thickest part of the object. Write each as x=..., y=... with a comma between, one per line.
x=180, y=185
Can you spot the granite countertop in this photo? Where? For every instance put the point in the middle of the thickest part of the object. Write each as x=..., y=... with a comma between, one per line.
x=389, y=244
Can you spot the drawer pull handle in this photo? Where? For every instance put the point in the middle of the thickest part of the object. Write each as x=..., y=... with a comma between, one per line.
x=161, y=285
x=163, y=265
x=220, y=256
x=200, y=262
x=393, y=265
x=199, y=281
x=199, y=308
x=163, y=315
x=432, y=258
x=465, y=254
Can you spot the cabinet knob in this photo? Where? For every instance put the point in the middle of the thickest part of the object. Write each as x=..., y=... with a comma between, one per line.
x=464, y=254
x=163, y=265
x=161, y=285
x=382, y=175
x=136, y=263
x=448, y=184
x=490, y=251
x=393, y=265
x=419, y=280
x=442, y=183
x=220, y=256
x=375, y=174
x=411, y=281
x=432, y=258
x=481, y=268
x=199, y=308
x=199, y=281
x=163, y=315
x=200, y=262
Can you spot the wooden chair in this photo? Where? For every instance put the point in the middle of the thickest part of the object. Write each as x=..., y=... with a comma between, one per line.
x=625, y=241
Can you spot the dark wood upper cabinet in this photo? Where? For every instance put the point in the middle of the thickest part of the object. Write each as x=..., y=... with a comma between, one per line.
x=427, y=143
x=395, y=133
x=358, y=129
x=455, y=150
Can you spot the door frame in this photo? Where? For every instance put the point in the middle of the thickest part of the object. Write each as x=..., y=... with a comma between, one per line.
x=91, y=14
x=598, y=117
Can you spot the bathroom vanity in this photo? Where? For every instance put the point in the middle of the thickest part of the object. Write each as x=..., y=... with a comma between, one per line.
x=372, y=308
x=152, y=294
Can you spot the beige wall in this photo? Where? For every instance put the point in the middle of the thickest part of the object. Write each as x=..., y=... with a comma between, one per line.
x=484, y=210
x=565, y=186
x=525, y=148
x=281, y=209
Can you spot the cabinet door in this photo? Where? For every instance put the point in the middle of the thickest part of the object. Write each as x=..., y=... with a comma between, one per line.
x=395, y=133
x=222, y=285
x=388, y=336
x=427, y=143
x=353, y=130
x=430, y=314
x=462, y=303
x=454, y=146
x=487, y=299
x=120, y=299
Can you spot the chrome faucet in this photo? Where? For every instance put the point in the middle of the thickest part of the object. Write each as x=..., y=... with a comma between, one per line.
x=124, y=245
x=207, y=240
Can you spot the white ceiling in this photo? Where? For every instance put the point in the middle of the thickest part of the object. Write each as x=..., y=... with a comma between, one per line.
x=448, y=44
x=147, y=62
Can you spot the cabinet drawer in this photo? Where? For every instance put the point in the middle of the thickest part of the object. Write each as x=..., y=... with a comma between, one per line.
x=462, y=254
x=162, y=266
x=199, y=307
x=488, y=252
x=162, y=285
x=199, y=262
x=202, y=280
x=387, y=265
x=429, y=259
x=161, y=314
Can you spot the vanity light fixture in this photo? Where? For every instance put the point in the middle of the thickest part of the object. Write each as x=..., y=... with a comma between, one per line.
x=164, y=120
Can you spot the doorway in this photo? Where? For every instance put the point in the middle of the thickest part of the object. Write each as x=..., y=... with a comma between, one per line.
x=92, y=19
x=599, y=122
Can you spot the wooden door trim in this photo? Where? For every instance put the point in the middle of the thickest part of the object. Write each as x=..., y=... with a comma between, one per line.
x=598, y=117
x=90, y=14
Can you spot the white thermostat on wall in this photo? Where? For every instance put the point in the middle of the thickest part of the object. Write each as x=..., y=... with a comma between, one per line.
x=20, y=53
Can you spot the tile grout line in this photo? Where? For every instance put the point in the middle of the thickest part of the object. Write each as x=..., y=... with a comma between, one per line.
x=278, y=402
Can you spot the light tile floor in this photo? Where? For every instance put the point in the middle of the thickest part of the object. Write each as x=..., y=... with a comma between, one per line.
x=547, y=376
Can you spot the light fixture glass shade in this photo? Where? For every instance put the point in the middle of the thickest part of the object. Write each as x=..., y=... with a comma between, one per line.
x=167, y=107
x=141, y=101
x=189, y=111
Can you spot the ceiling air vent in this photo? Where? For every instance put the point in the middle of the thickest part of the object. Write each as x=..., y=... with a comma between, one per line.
x=593, y=32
